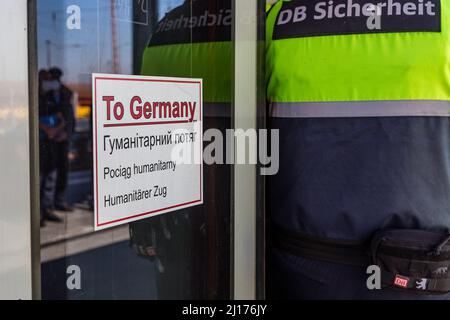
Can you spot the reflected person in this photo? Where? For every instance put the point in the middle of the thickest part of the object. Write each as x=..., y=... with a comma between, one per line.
x=63, y=98
x=51, y=122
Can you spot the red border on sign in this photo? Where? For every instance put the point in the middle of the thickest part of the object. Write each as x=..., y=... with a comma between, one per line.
x=96, y=149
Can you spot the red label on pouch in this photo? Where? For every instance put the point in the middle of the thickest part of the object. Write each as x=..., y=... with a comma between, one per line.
x=401, y=281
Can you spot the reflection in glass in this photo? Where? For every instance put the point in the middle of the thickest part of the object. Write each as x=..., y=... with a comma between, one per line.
x=179, y=255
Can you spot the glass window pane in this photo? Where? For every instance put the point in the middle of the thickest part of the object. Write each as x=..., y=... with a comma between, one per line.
x=184, y=254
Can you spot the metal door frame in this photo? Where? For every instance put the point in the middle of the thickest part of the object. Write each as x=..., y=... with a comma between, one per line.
x=248, y=213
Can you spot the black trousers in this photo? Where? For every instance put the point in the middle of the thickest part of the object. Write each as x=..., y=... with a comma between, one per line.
x=47, y=172
x=61, y=151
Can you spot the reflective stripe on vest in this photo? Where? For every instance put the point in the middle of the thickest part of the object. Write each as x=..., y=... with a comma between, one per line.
x=360, y=109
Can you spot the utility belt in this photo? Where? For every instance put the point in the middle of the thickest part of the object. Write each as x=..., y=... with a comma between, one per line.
x=413, y=260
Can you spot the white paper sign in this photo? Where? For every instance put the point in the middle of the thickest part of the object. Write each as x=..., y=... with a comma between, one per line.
x=147, y=134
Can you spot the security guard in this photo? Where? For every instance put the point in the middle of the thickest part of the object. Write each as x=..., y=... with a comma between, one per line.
x=361, y=95
x=190, y=246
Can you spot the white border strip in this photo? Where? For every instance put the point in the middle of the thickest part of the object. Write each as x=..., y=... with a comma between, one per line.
x=15, y=183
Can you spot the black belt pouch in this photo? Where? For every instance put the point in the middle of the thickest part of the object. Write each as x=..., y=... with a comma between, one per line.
x=413, y=260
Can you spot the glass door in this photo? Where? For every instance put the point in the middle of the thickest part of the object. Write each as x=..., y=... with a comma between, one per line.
x=181, y=254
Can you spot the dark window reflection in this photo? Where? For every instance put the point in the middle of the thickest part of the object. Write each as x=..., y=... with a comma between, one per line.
x=179, y=255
